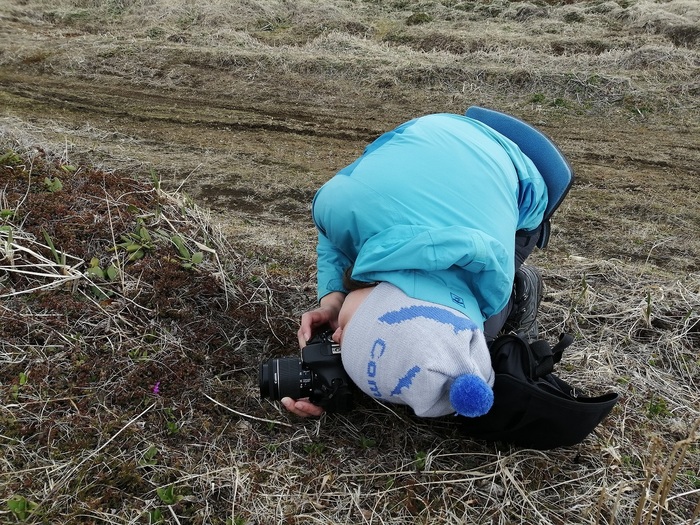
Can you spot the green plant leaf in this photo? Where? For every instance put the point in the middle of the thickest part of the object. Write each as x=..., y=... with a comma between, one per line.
x=10, y=158
x=155, y=179
x=21, y=507
x=100, y=294
x=168, y=495
x=96, y=271
x=53, y=184
x=149, y=457
x=143, y=233
x=135, y=256
x=112, y=272
x=155, y=516
x=58, y=258
x=180, y=245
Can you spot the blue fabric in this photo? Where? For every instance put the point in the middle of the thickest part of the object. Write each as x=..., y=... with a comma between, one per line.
x=431, y=207
x=470, y=396
x=441, y=315
x=550, y=162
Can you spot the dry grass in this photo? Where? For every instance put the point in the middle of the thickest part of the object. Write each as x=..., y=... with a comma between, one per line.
x=608, y=50
x=89, y=438
x=133, y=398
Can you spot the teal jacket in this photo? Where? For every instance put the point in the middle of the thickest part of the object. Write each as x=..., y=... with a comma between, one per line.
x=431, y=207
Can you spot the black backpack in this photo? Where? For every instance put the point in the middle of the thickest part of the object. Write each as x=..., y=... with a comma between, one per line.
x=533, y=407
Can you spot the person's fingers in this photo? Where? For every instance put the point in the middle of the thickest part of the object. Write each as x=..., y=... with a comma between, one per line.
x=309, y=321
x=301, y=408
x=309, y=408
x=301, y=336
x=289, y=403
x=337, y=335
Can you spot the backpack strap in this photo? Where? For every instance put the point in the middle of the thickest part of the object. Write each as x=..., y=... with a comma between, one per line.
x=512, y=354
x=547, y=356
x=564, y=342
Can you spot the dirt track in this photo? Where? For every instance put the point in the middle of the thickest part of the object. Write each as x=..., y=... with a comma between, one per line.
x=254, y=152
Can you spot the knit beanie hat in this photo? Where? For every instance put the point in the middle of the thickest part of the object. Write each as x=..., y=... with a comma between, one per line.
x=403, y=350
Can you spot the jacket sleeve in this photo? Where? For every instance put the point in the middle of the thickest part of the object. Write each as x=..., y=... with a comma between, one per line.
x=331, y=264
x=532, y=202
x=532, y=190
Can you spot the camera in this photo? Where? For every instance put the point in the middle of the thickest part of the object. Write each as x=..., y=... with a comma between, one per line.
x=318, y=375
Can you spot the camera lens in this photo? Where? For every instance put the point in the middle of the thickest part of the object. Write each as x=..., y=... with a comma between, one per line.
x=285, y=377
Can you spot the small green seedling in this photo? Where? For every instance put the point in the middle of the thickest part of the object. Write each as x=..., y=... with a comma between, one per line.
x=657, y=407
x=138, y=354
x=172, y=427
x=693, y=478
x=59, y=257
x=367, y=442
x=21, y=507
x=171, y=422
x=421, y=460
x=10, y=159
x=53, y=184
x=314, y=449
x=538, y=98
x=137, y=243
x=23, y=378
x=155, y=516
x=109, y=274
x=149, y=457
x=155, y=180
x=188, y=259
x=168, y=495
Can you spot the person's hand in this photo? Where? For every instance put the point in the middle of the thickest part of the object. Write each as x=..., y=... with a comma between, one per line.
x=326, y=313
x=302, y=407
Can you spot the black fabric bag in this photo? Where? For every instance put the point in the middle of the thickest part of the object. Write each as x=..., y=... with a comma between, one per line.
x=533, y=407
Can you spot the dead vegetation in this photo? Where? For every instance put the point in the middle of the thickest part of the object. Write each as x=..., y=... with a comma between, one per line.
x=131, y=395
x=133, y=318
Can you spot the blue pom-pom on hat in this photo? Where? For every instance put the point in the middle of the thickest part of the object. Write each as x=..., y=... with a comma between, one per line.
x=471, y=396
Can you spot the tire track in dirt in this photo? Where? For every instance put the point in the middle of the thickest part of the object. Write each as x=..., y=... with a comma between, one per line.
x=92, y=97
x=257, y=156
x=252, y=155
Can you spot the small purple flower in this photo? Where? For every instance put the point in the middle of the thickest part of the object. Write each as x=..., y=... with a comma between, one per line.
x=156, y=388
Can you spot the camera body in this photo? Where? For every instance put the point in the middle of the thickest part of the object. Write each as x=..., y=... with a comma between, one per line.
x=318, y=375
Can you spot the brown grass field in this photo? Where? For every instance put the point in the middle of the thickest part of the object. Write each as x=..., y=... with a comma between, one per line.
x=157, y=164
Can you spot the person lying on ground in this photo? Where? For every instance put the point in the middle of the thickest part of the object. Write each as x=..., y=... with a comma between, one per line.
x=421, y=245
